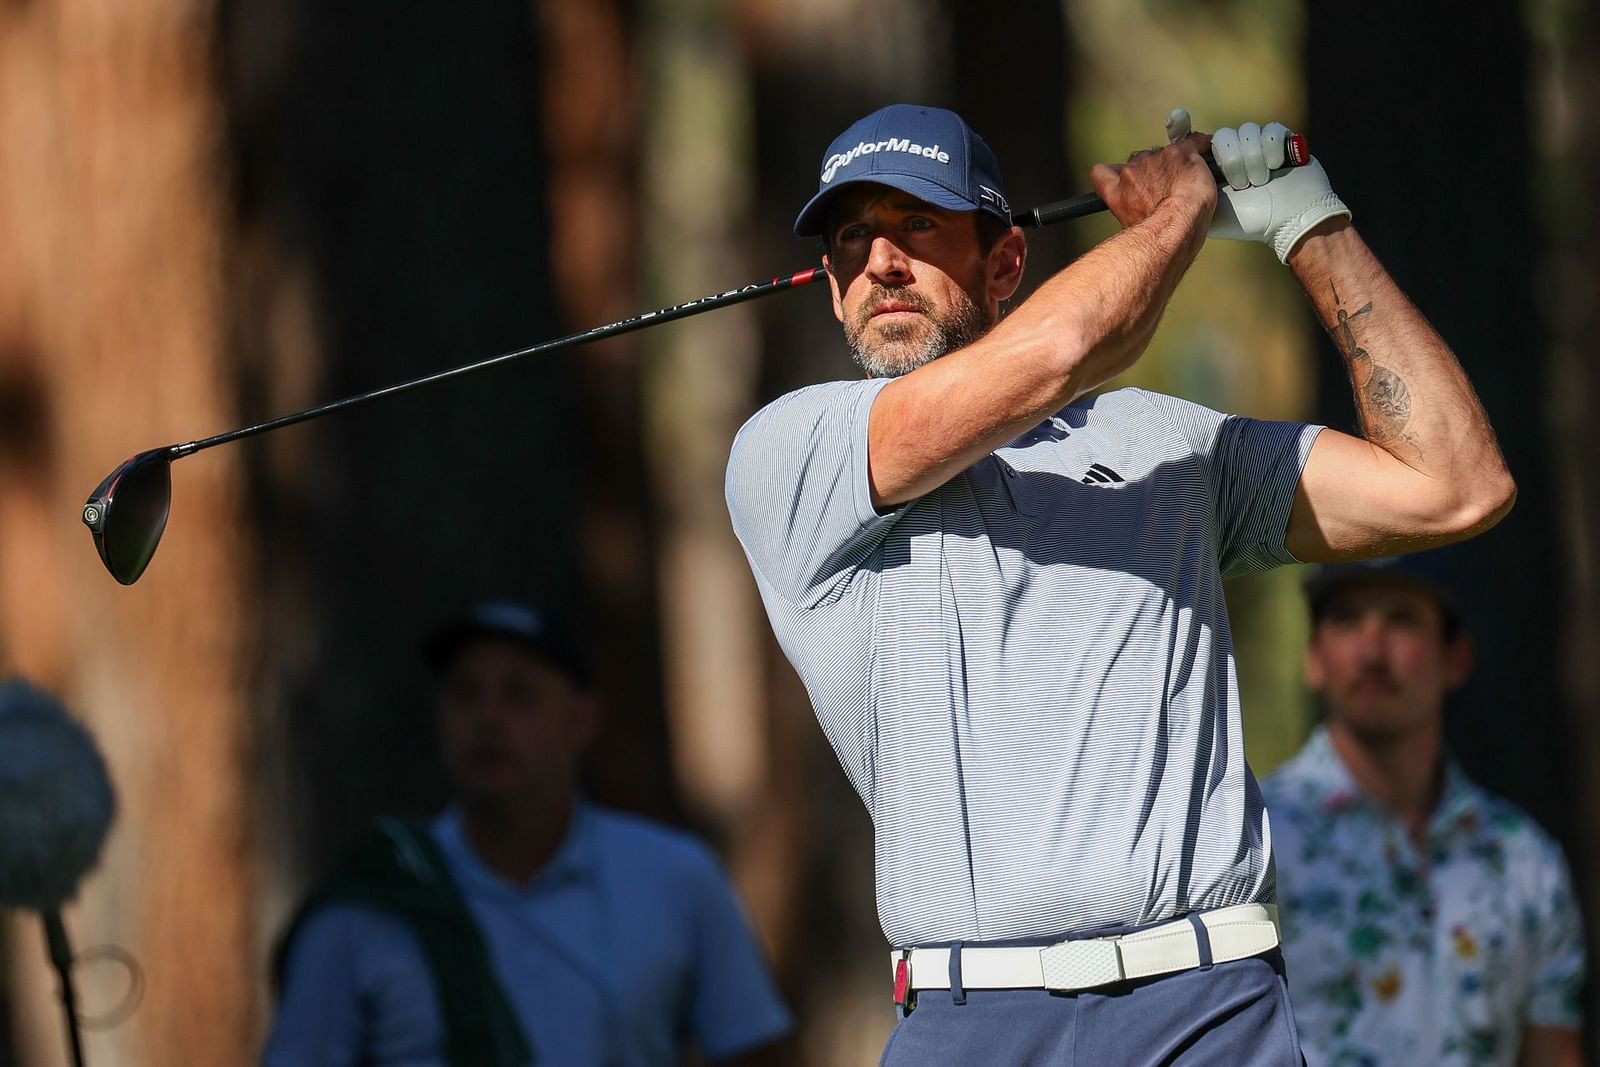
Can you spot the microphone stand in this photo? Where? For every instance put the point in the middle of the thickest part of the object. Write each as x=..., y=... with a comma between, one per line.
x=55, y=938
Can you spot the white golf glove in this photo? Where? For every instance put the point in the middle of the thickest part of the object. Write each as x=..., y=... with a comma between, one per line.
x=1262, y=199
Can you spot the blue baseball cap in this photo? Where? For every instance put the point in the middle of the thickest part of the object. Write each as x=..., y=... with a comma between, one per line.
x=925, y=151
x=1432, y=572
x=540, y=631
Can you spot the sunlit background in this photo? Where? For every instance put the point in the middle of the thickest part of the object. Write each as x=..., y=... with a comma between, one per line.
x=211, y=213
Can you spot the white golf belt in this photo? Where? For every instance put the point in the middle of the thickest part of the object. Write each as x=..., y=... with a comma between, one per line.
x=1235, y=933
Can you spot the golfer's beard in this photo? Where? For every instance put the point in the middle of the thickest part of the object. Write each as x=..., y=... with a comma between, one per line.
x=888, y=350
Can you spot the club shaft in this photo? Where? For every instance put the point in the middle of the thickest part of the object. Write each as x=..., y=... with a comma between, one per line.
x=1044, y=215
x=598, y=333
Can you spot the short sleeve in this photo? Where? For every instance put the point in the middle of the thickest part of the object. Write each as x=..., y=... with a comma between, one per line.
x=356, y=989
x=734, y=1006
x=1252, y=468
x=318, y=1023
x=1556, y=996
x=798, y=489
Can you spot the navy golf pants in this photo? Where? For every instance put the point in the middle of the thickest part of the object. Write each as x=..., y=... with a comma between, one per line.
x=1229, y=1015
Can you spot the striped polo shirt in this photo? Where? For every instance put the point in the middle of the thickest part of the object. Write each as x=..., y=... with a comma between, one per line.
x=1027, y=673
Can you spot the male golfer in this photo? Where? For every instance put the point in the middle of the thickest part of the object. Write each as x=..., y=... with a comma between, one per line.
x=1425, y=920
x=524, y=925
x=1005, y=598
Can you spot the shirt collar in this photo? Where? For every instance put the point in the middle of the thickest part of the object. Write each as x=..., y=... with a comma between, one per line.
x=1337, y=790
x=572, y=861
x=1320, y=767
x=1459, y=800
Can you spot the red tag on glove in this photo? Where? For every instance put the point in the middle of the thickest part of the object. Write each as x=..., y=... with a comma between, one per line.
x=902, y=981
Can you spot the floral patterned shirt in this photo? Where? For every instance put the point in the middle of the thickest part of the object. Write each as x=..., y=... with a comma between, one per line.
x=1399, y=956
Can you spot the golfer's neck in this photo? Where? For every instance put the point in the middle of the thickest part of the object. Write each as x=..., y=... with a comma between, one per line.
x=516, y=838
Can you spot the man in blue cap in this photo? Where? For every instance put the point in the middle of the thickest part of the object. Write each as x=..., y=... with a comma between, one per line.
x=1425, y=919
x=525, y=924
x=1004, y=596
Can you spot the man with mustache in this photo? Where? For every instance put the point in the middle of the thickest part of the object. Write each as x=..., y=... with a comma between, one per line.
x=1425, y=920
x=1004, y=595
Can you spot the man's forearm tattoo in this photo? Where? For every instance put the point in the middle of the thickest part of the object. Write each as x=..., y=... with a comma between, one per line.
x=1344, y=334
x=1389, y=399
x=1383, y=402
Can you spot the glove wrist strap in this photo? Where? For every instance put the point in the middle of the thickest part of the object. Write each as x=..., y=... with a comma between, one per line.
x=1318, y=211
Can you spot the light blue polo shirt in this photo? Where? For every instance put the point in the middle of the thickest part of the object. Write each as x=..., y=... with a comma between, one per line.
x=1027, y=673
x=627, y=947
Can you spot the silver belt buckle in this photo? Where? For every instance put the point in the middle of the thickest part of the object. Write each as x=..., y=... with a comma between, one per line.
x=1070, y=965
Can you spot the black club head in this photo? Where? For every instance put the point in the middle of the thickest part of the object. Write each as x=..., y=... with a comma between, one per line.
x=127, y=513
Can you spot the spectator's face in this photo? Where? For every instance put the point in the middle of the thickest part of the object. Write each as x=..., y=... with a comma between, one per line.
x=511, y=725
x=1380, y=660
x=909, y=283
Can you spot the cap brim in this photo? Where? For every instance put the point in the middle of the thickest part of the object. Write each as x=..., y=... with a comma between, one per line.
x=1322, y=587
x=440, y=649
x=441, y=646
x=809, y=222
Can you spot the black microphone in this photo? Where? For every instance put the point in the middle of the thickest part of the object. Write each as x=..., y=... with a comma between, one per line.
x=56, y=805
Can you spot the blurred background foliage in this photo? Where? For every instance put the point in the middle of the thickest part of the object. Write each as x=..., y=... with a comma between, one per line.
x=215, y=212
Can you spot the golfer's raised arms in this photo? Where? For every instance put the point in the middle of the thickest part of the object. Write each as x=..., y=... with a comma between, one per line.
x=1024, y=667
x=1426, y=470
x=898, y=266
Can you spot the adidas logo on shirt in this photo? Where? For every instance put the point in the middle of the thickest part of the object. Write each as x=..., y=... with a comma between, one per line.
x=1100, y=474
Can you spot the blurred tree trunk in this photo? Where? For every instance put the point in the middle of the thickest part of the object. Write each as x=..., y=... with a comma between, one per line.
x=593, y=127
x=1570, y=197
x=421, y=192
x=698, y=378
x=391, y=181
x=112, y=309
x=1451, y=217
x=414, y=193
x=418, y=192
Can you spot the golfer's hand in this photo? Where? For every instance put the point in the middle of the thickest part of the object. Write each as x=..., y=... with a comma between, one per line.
x=1261, y=198
x=1175, y=176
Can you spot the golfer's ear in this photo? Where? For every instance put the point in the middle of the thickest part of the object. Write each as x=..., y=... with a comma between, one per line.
x=1006, y=261
x=833, y=287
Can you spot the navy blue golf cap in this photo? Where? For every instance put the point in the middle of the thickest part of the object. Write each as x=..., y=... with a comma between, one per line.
x=925, y=151
x=513, y=620
x=1432, y=572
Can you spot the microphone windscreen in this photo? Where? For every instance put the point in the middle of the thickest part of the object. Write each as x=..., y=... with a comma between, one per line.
x=56, y=801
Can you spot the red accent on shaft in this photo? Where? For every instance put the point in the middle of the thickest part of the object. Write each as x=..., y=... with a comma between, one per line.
x=1298, y=150
x=805, y=277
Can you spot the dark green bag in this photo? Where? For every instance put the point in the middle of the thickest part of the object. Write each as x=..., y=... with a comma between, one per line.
x=398, y=870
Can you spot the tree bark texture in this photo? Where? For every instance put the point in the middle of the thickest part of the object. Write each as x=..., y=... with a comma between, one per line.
x=112, y=317
x=593, y=122
x=1568, y=61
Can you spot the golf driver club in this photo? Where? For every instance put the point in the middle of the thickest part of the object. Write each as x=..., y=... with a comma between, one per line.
x=127, y=512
